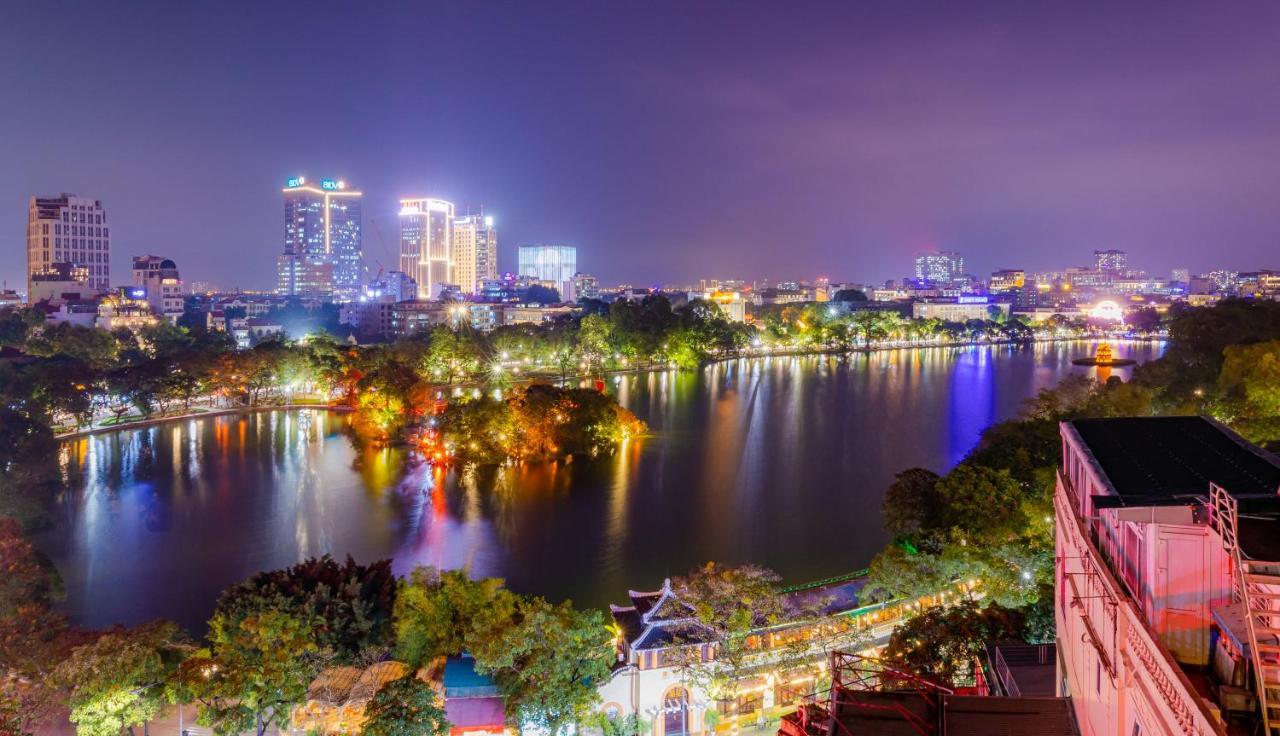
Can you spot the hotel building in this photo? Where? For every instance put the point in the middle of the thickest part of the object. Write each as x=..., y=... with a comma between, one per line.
x=555, y=264
x=426, y=244
x=69, y=230
x=1167, y=579
x=323, y=254
x=475, y=252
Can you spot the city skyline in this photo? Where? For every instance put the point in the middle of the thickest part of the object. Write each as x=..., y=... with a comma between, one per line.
x=1155, y=143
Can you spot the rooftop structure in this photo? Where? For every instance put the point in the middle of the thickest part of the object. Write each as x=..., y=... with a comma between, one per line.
x=867, y=697
x=1168, y=532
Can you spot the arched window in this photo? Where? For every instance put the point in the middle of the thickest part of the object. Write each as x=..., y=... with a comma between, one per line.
x=675, y=712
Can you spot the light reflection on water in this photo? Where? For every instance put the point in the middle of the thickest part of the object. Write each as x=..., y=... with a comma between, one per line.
x=780, y=460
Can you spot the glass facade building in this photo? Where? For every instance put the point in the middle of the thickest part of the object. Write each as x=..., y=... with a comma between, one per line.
x=552, y=263
x=323, y=252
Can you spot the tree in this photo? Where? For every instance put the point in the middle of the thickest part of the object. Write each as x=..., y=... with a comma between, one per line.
x=405, y=707
x=539, y=294
x=729, y=603
x=33, y=637
x=1249, y=385
x=912, y=503
x=443, y=612
x=254, y=673
x=981, y=503
x=549, y=663
x=941, y=644
x=119, y=681
x=850, y=295
x=351, y=603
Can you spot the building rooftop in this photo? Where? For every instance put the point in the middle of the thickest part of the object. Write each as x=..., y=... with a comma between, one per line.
x=1160, y=460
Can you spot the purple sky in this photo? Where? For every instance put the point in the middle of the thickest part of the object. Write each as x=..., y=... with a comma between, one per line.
x=667, y=141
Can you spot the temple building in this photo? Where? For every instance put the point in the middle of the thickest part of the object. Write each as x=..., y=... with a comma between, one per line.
x=657, y=635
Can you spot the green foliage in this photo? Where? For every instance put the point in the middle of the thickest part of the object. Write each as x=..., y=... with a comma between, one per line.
x=445, y=612
x=351, y=604
x=256, y=670
x=911, y=505
x=549, y=663
x=547, y=659
x=942, y=642
x=405, y=707
x=119, y=681
x=1249, y=388
x=536, y=421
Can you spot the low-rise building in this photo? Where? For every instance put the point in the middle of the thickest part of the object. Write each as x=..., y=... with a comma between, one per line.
x=125, y=307
x=159, y=276
x=958, y=309
x=59, y=282
x=534, y=314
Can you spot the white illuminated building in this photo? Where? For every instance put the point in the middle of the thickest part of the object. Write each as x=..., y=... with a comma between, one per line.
x=71, y=230
x=426, y=243
x=475, y=252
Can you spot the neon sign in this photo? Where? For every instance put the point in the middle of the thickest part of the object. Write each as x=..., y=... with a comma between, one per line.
x=332, y=184
x=295, y=181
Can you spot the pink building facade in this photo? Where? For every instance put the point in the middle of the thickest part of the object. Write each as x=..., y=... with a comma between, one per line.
x=1162, y=524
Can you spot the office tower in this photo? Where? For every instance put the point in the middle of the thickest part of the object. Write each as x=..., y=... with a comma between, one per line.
x=552, y=263
x=475, y=252
x=69, y=230
x=943, y=268
x=1180, y=276
x=323, y=253
x=426, y=244
x=159, y=276
x=1110, y=260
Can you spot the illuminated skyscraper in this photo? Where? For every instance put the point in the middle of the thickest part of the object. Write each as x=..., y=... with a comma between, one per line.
x=70, y=230
x=554, y=263
x=943, y=269
x=426, y=243
x=475, y=252
x=322, y=242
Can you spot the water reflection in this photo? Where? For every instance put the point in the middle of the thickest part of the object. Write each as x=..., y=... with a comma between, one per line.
x=779, y=460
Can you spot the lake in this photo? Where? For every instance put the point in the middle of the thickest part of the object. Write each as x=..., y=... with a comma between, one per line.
x=781, y=461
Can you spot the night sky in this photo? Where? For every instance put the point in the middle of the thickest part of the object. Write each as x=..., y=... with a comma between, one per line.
x=668, y=141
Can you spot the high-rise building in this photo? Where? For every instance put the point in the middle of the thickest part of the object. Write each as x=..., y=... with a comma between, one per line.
x=942, y=269
x=1180, y=276
x=323, y=253
x=69, y=229
x=475, y=252
x=426, y=244
x=552, y=263
x=159, y=276
x=1110, y=260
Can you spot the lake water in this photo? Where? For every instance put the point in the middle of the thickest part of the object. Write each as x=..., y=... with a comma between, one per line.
x=779, y=461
